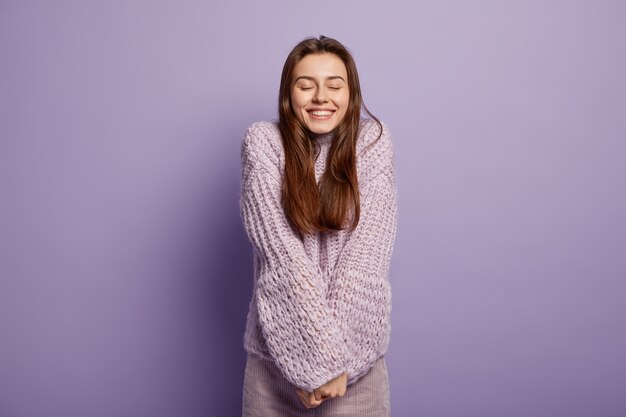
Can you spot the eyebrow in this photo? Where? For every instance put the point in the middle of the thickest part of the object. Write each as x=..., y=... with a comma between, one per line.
x=332, y=77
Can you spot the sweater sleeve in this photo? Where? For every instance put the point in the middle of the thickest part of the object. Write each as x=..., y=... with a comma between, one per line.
x=302, y=335
x=360, y=293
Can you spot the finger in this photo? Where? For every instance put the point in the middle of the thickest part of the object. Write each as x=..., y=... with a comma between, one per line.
x=322, y=393
x=304, y=400
x=307, y=399
x=304, y=403
x=314, y=401
x=318, y=394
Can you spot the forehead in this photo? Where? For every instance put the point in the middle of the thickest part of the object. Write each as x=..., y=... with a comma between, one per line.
x=321, y=66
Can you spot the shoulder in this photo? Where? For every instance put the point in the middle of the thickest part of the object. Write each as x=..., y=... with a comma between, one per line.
x=372, y=134
x=261, y=143
x=375, y=150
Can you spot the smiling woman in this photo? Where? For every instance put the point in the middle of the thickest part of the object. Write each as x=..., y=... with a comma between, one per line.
x=320, y=95
x=318, y=202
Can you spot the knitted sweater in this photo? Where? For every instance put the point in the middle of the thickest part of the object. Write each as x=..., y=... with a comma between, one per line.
x=321, y=303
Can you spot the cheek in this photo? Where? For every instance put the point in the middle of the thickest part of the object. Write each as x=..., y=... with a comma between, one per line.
x=297, y=101
x=345, y=101
x=296, y=106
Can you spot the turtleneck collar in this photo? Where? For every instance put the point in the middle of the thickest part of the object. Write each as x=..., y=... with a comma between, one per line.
x=322, y=137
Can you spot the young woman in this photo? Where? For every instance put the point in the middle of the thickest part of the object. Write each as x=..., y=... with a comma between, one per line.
x=318, y=202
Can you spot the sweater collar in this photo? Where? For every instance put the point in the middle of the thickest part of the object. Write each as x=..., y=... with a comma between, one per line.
x=322, y=137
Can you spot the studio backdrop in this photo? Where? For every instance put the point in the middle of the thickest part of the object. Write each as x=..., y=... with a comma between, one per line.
x=125, y=271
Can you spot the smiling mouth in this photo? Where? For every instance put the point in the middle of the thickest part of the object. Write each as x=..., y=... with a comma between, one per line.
x=321, y=114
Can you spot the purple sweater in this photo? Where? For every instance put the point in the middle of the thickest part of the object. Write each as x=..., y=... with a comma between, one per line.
x=321, y=304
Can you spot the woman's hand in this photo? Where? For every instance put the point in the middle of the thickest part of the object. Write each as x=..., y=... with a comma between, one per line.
x=334, y=388
x=308, y=398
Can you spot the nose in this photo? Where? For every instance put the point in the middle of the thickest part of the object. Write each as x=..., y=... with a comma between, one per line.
x=320, y=95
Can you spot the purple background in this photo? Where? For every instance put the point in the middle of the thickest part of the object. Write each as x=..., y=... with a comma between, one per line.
x=125, y=272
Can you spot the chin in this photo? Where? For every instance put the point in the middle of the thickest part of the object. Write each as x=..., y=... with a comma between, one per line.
x=320, y=131
x=321, y=128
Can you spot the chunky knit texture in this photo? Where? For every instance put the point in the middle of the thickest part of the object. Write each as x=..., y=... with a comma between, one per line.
x=322, y=302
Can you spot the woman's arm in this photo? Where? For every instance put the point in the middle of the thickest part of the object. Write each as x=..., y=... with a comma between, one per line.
x=360, y=294
x=300, y=330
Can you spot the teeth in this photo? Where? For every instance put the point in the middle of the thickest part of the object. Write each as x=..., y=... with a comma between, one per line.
x=322, y=113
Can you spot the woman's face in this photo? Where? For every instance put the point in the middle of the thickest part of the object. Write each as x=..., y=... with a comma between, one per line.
x=319, y=92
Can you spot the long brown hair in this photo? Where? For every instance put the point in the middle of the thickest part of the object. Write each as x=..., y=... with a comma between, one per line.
x=326, y=208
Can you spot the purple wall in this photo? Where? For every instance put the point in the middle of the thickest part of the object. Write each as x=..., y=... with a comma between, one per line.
x=125, y=272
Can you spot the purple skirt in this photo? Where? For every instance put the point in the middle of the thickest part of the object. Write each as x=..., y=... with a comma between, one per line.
x=266, y=393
